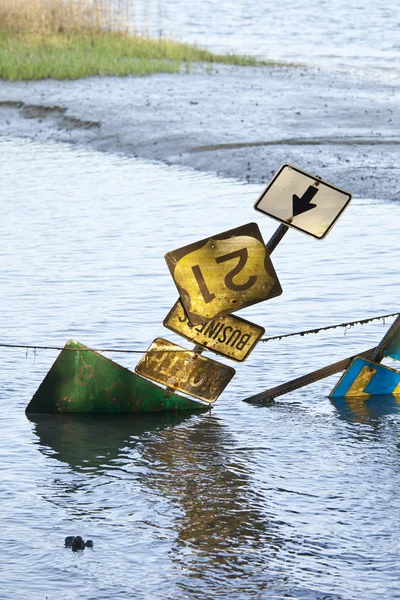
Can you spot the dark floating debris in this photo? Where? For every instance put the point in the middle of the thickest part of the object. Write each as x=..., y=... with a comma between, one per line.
x=75, y=542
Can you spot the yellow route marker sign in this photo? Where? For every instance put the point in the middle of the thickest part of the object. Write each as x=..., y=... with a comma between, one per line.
x=224, y=273
x=184, y=370
x=230, y=336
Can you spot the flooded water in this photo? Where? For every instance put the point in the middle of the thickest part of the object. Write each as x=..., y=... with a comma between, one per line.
x=298, y=500
x=360, y=36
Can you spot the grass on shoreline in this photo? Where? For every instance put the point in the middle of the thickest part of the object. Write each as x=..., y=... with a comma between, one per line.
x=69, y=39
x=29, y=56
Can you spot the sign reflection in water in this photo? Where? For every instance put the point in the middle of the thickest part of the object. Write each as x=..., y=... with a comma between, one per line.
x=183, y=459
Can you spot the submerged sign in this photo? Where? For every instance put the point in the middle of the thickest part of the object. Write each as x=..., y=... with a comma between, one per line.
x=224, y=273
x=229, y=336
x=364, y=379
x=83, y=381
x=184, y=370
x=303, y=201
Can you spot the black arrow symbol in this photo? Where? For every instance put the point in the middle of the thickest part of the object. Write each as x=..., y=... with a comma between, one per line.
x=303, y=204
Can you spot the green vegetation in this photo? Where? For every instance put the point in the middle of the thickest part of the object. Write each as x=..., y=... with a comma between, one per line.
x=74, y=55
x=68, y=39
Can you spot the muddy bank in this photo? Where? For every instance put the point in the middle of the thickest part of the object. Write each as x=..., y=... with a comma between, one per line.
x=238, y=122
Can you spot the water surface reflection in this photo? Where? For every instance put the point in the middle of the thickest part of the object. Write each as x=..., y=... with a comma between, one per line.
x=90, y=443
x=223, y=524
x=367, y=411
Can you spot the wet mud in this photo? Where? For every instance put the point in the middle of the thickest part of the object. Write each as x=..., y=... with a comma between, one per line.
x=238, y=122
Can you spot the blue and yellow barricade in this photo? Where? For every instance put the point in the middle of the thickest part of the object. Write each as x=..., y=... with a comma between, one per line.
x=364, y=379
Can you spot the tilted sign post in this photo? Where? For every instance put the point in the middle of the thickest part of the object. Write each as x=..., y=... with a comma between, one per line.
x=267, y=396
x=309, y=204
x=229, y=271
x=388, y=347
x=214, y=276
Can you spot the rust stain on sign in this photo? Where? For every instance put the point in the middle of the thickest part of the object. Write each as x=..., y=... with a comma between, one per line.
x=229, y=336
x=184, y=370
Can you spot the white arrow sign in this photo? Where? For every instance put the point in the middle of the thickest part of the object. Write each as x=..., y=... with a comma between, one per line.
x=303, y=201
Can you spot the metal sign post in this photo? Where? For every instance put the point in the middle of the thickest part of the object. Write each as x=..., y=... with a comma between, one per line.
x=232, y=270
x=364, y=378
x=267, y=396
x=389, y=347
x=214, y=277
x=276, y=238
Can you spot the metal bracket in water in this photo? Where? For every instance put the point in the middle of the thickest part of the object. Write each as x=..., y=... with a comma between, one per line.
x=366, y=378
x=389, y=347
x=268, y=396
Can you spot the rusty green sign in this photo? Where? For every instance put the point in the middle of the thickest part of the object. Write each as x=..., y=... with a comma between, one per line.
x=83, y=381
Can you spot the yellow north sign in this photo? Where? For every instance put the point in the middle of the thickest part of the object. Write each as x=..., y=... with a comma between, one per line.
x=184, y=370
x=222, y=274
x=230, y=336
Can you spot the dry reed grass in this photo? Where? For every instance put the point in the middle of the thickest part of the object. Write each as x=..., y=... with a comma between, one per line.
x=65, y=16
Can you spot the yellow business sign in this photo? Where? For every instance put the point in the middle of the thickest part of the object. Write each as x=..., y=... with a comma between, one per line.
x=230, y=336
x=222, y=274
x=184, y=370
